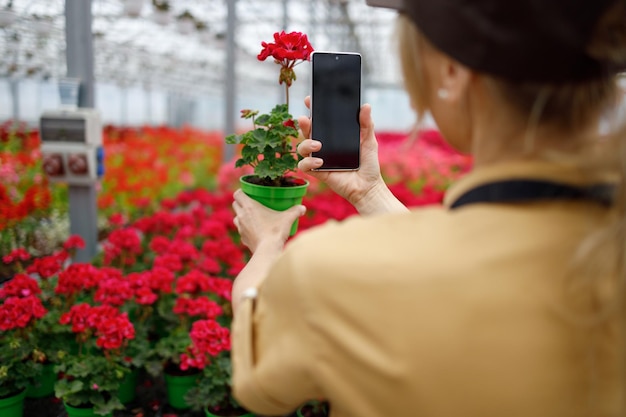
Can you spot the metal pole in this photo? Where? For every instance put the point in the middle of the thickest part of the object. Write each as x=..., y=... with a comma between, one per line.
x=285, y=14
x=80, y=64
x=14, y=86
x=230, y=76
x=123, y=105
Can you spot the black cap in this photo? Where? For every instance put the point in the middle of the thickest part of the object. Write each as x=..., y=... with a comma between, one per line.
x=520, y=40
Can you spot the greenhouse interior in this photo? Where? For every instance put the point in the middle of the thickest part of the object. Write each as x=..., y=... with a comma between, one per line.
x=121, y=145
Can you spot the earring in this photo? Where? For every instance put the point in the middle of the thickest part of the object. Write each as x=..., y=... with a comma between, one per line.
x=443, y=94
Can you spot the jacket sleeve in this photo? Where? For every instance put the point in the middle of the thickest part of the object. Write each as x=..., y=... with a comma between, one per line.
x=274, y=347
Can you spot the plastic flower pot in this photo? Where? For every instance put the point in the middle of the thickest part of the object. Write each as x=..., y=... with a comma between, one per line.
x=177, y=387
x=276, y=198
x=207, y=413
x=44, y=385
x=13, y=406
x=82, y=411
x=128, y=388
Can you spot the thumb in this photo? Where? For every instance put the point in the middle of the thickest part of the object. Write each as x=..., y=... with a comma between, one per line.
x=367, y=124
x=295, y=212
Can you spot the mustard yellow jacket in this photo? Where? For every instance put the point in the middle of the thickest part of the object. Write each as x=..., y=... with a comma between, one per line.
x=473, y=312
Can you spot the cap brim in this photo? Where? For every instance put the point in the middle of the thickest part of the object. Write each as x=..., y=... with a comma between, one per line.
x=389, y=4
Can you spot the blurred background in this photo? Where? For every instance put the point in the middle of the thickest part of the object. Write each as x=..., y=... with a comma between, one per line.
x=161, y=62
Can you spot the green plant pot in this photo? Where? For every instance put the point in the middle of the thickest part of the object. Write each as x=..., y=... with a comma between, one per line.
x=13, y=406
x=177, y=387
x=128, y=388
x=276, y=198
x=207, y=413
x=82, y=412
x=44, y=386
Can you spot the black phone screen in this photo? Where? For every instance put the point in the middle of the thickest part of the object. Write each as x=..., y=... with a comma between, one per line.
x=335, y=105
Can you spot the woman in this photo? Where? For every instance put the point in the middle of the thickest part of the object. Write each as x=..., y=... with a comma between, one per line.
x=505, y=301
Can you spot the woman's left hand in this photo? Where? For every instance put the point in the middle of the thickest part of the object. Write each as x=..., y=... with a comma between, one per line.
x=260, y=225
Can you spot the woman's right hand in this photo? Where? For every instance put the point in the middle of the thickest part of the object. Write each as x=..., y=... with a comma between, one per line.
x=363, y=188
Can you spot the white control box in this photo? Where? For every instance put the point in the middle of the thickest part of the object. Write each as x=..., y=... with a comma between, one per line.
x=71, y=145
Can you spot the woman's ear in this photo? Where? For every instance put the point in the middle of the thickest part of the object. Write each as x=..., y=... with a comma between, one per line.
x=454, y=80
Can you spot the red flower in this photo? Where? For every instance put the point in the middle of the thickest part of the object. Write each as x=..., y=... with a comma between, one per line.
x=145, y=296
x=288, y=50
x=212, y=229
x=114, y=331
x=160, y=244
x=208, y=339
x=185, y=250
x=74, y=242
x=209, y=265
x=161, y=279
x=116, y=219
x=18, y=312
x=99, y=315
x=46, y=267
x=290, y=123
x=17, y=254
x=222, y=287
x=122, y=244
x=114, y=291
x=201, y=306
x=168, y=261
x=20, y=286
x=110, y=326
x=78, y=277
x=192, y=283
x=287, y=47
x=77, y=317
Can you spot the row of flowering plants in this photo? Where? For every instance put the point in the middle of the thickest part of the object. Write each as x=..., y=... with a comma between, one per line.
x=143, y=166
x=157, y=299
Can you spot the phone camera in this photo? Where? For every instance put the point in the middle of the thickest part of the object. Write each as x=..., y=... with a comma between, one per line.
x=337, y=58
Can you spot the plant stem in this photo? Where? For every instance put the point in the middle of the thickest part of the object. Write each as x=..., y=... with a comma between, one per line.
x=287, y=96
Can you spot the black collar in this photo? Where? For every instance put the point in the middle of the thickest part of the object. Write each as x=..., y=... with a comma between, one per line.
x=526, y=191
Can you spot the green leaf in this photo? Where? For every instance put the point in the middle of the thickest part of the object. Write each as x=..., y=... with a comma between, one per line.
x=263, y=120
x=233, y=139
x=63, y=387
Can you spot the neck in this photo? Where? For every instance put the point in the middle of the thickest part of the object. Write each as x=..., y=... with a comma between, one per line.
x=495, y=143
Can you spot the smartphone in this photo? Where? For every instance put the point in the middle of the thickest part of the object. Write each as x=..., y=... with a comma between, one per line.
x=335, y=106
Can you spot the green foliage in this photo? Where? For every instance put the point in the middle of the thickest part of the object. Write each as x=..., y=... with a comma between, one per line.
x=269, y=148
x=17, y=371
x=213, y=389
x=168, y=350
x=90, y=379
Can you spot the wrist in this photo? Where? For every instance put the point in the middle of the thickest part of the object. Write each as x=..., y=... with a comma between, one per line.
x=379, y=199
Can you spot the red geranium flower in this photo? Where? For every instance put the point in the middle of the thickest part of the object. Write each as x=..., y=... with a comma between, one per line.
x=46, y=267
x=19, y=254
x=18, y=312
x=20, y=286
x=288, y=50
x=74, y=242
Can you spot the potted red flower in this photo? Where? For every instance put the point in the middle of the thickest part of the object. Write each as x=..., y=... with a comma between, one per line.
x=210, y=352
x=192, y=300
x=93, y=375
x=270, y=147
x=20, y=361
